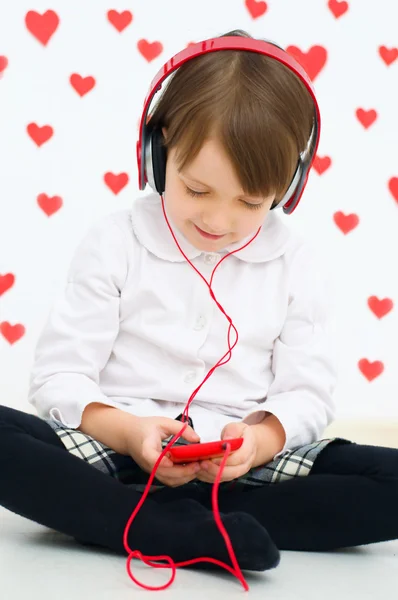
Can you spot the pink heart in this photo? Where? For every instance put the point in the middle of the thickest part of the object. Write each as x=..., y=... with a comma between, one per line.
x=370, y=370
x=12, y=333
x=366, y=117
x=116, y=182
x=346, y=223
x=6, y=282
x=49, y=205
x=380, y=307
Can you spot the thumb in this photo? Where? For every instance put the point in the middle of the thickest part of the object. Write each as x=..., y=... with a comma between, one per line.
x=231, y=431
x=189, y=434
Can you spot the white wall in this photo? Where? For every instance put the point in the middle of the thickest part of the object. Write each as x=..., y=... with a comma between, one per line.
x=96, y=134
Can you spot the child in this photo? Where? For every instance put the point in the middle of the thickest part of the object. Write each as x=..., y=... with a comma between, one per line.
x=137, y=330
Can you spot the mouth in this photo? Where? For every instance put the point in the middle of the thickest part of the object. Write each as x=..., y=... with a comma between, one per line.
x=209, y=236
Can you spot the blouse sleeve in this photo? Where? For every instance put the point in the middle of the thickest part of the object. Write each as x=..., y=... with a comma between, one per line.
x=79, y=334
x=304, y=362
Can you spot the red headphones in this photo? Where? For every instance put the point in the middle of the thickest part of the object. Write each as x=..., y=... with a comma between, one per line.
x=151, y=153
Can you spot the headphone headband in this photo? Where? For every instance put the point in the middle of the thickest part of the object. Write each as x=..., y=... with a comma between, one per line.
x=145, y=152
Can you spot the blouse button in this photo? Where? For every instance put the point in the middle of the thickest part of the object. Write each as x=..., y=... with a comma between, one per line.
x=200, y=323
x=210, y=259
x=189, y=377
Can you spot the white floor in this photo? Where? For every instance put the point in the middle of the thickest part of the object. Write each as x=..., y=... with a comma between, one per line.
x=38, y=563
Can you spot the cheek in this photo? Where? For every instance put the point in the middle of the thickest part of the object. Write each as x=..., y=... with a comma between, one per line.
x=251, y=220
x=184, y=209
x=180, y=207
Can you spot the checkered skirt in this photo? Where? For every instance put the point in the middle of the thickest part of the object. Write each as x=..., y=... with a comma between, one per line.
x=293, y=463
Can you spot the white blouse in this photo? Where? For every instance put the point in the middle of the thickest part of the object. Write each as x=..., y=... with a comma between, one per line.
x=136, y=328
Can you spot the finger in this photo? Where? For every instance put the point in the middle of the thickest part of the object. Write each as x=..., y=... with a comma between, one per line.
x=151, y=455
x=190, y=435
x=233, y=430
x=151, y=451
x=180, y=472
x=228, y=473
x=167, y=468
x=238, y=458
x=172, y=427
x=165, y=463
x=245, y=463
x=176, y=482
x=205, y=477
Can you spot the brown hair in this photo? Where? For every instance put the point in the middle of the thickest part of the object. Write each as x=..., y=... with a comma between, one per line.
x=257, y=108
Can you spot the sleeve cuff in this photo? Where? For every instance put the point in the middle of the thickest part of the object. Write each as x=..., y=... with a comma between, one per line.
x=65, y=396
x=257, y=417
x=297, y=433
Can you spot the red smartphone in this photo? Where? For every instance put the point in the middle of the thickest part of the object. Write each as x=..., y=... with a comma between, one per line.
x=197, y=452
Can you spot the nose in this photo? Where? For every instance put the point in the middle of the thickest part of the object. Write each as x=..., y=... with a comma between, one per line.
x=216, y=223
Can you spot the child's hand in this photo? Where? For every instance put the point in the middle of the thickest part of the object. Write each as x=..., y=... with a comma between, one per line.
x=144, y=445
x=238, y=463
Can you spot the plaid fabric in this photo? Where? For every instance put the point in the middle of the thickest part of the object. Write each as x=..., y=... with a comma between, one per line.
x=294, y=463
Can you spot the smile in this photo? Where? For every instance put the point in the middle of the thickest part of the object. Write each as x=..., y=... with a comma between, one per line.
x=209, y=236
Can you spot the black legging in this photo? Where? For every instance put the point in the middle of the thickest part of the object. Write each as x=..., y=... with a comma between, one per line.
x=350, y=497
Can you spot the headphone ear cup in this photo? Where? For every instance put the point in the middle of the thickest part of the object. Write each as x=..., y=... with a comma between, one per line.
x=159, y=159
x=292, y=189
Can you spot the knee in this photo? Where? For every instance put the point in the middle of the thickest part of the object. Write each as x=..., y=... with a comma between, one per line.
x=6, y=413
x=13, y=421
x=11, y=417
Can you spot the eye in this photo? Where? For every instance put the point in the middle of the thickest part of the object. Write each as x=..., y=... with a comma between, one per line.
x=193, y=193
x=250, y=206
x=253, y=206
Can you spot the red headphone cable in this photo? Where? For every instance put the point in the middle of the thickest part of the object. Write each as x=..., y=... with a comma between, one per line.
x=236, y=571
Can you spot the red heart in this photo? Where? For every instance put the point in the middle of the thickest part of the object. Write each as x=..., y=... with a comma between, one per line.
x=321, y=164
x=380, y=307
x=366, y=117
x=82, y=85
x=3, y=64
x=370, y=370
x=345, y=223
x=49, y=205
x=6, y=282
x=119, y=20
x=42, y=26
x=313, y=61
x=256, y=9
x=393, y=187
x=388, y=54
x=149, y=51
x=116, y=182
x=338, y=8
x=40, y=135
x=12, y=333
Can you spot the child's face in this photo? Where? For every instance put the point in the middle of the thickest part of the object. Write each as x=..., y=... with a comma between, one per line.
x=221, y=210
